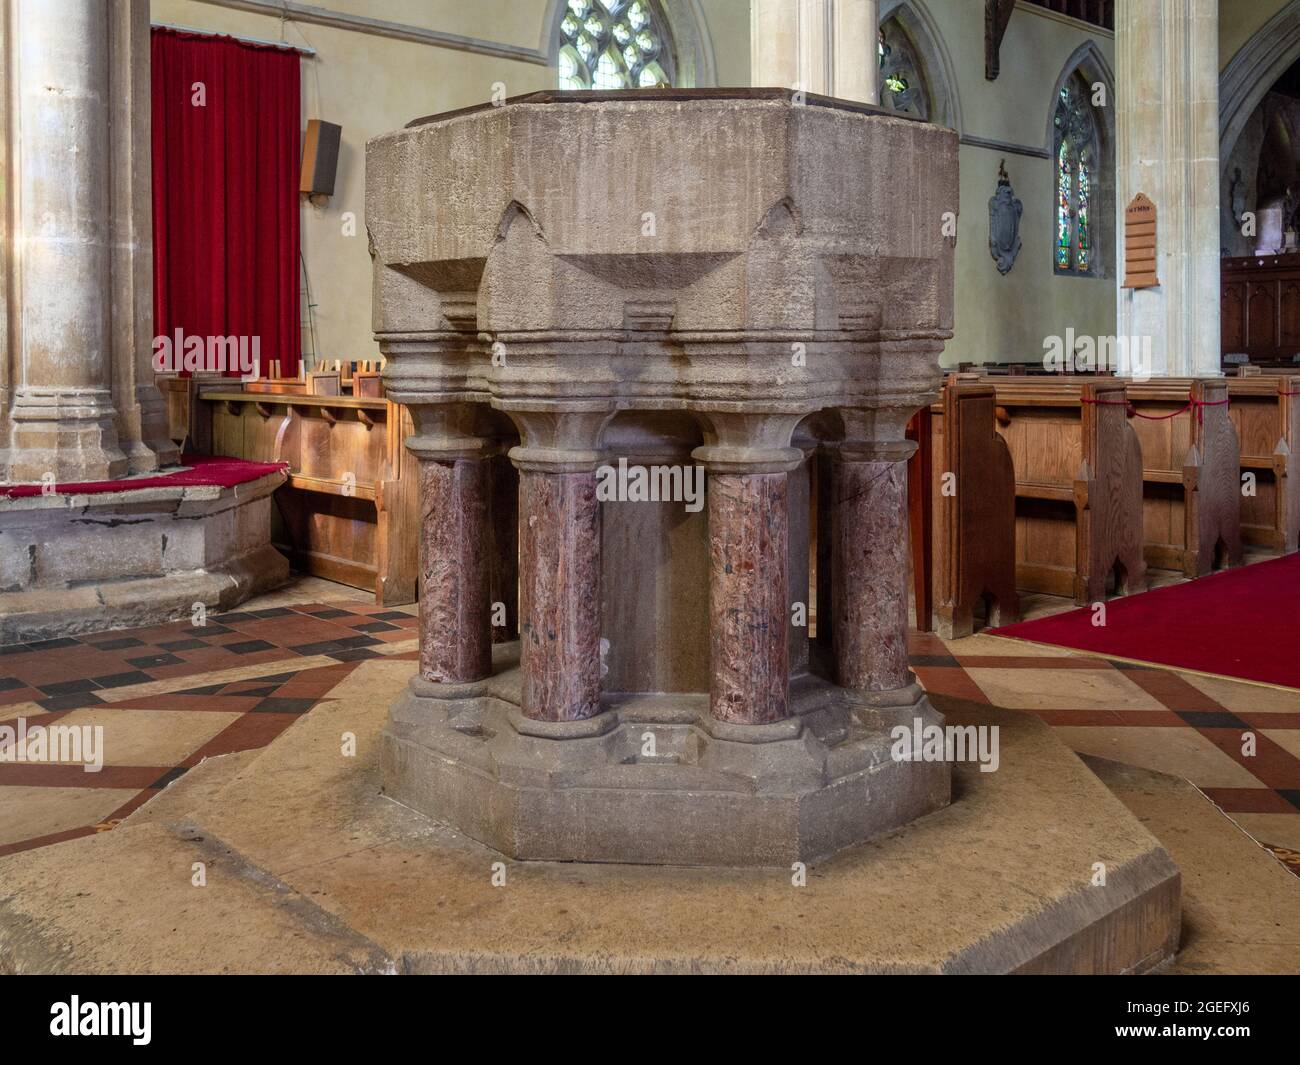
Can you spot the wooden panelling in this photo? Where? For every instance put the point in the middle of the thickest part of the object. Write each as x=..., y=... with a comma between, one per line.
x=349, y=510
x=1259, y=308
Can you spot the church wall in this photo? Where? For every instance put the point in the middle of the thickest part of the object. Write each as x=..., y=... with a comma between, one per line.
x=371, y=85
x=1006, y=318
x=1239, y=20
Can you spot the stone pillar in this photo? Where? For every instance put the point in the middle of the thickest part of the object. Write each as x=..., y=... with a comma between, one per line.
x=869, y=565
x=455, y=545
x=559, y=563
x=826, y=47
x=142, y=412
x=748, y=459
x=1167, y=125
x=79, y=261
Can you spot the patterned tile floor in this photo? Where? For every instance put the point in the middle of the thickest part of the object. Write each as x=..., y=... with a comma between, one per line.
x=171, y=695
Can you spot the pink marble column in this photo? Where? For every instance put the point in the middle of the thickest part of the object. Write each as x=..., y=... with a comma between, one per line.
x=455, y=619
x=503, y=517
x=559, y=608
x=749, y=597
x=869, y=566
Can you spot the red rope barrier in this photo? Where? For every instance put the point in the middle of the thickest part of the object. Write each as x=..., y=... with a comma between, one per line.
x=1133, y=412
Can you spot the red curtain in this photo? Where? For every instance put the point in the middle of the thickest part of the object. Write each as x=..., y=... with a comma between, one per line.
x=225, y=192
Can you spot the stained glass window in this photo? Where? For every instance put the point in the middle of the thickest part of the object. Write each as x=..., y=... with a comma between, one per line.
x=1076, y=157
x=901, y=85
x=614, y=44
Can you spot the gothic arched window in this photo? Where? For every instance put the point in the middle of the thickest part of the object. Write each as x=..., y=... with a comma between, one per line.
x=614, y=44
x=1077, y=155
x=902, y=87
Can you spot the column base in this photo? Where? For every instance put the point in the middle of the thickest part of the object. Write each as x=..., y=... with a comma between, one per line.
x=654, y=779
x=70, y=434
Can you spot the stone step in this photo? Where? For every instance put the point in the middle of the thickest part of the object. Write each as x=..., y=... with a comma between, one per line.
x=1241, y=906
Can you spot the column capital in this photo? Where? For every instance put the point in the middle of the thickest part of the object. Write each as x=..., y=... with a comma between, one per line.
x=746, y=442
x=560, y=439
x=451, y=429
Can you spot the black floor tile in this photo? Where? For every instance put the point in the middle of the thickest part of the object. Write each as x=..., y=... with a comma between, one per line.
x=71, y=702
x=246, y=647
x=150, y=661
x=280, y=704
x=68, y=687
x=119, y=645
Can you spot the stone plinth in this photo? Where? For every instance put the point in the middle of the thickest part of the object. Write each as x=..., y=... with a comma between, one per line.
x=84, y=563
x=670, y=283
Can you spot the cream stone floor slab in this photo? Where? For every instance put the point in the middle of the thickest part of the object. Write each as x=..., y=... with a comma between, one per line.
x=27, y=813
x=1244, y=697
x=150, y=737
x=1062, y=689
x=983, y=644
x=1177, y=751
x=1288, y=739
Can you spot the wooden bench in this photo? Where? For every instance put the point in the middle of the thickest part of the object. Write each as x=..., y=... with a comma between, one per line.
x=350, y=509
x=1191, y=473
x=1078, y=469
x=966, y=549
x=1266, y=412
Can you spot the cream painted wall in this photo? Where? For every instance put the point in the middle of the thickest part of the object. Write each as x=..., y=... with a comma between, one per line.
x=371, y=84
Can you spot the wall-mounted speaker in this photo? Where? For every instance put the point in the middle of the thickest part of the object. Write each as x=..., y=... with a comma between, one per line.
x=320, y=158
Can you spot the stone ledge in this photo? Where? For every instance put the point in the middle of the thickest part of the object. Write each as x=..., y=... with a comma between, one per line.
x=45, y=613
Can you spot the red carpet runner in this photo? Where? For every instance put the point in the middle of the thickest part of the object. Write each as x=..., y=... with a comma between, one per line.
x=1244, y=622
x=202, y=470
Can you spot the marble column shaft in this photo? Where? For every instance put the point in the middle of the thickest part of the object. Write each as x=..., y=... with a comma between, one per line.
x=870, y=564
x=559, y=579
x=749, y=597
x=455, y=563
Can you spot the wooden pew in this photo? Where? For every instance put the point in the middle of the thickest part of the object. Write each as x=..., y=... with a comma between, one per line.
x=1266, y=412
x=1078, y=472
x=349, y=511
x=1191, y=473
x=973, y=512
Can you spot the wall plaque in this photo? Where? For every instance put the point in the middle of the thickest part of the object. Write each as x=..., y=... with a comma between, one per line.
x=1140, y=244
x=1004, y=223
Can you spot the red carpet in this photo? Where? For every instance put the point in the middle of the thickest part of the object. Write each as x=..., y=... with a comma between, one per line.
x=202, y=470
x=1244, y=622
